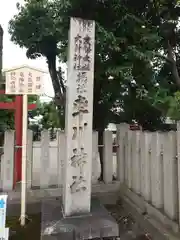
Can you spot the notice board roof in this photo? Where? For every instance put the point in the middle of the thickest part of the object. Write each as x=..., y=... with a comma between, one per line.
x=24, y=66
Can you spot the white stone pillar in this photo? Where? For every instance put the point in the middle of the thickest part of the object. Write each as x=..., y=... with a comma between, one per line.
x=130, y=158
x=79, y=113
x=135, y=166
x=170, y=175
x=107, y=157
x=145, y=141
x=178, y=166
x=122, y=130
x=29, y=158
x=156, y=170
x=7, y=162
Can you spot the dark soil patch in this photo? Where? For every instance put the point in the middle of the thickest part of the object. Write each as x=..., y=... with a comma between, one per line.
x=31, y=231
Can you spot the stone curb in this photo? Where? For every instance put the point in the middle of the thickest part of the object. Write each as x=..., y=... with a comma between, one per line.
x=39, y=194
x=161, y=226
x=107, y=194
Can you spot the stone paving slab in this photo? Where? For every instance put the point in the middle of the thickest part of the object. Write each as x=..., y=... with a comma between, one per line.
x=133, y=224
x=97, y=224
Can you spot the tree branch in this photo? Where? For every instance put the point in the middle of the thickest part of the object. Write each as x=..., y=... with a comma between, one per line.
x=59, y=73
x=58, y=90
x=45, y=95
x=173, y=64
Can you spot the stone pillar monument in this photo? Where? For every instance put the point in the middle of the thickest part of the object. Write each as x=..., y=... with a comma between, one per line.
x=79, y=114
x=75, y=215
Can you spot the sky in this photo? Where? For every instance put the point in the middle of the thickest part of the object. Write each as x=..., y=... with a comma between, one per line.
x=14, y=56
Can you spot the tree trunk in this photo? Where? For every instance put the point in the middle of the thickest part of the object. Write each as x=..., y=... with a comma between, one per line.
x=54, y=76
x=172, y=61
x=59, y=89
x=99, y=116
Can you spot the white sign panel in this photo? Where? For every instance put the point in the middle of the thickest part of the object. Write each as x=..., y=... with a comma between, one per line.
x=4, y=234
x=24, y=80
x=3, y=207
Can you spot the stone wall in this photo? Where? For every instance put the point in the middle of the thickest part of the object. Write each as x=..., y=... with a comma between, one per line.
x=45, y=160
x=148, y=168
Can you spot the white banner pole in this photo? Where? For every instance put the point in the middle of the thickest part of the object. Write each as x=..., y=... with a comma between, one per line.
x=24, y=81
x=24, y=160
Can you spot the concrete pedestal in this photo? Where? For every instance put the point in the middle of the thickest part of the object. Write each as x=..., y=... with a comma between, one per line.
x=97, y=224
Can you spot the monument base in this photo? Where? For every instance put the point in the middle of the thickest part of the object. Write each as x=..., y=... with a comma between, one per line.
x=97, y=224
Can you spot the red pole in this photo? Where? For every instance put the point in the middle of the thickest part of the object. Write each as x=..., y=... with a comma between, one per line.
x=18, y=138
x=17, y=106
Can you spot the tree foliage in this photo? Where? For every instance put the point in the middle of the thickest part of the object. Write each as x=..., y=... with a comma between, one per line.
x=136, y=58
x=45, y=117
x=137, y=53
x=125, y=43
x=49, y=114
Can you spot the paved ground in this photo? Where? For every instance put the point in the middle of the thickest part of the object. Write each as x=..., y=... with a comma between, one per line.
x=138, y=226
x=129, y=228
x=131, y=225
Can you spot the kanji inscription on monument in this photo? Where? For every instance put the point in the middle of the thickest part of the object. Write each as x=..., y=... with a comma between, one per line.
x=79, y=107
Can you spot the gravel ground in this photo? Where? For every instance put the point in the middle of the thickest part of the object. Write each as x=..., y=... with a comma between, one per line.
x=129, y=229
